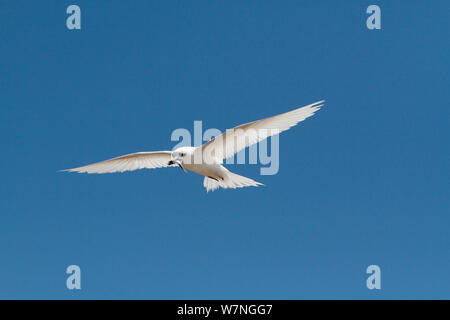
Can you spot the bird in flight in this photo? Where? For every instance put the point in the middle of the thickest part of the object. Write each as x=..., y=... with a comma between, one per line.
x=207, y=159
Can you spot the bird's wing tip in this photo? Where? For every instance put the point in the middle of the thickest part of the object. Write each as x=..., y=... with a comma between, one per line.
x=318, y=104
x=71, y=170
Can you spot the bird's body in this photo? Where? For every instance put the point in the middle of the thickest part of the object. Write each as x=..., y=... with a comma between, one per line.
x=207, y=159
x=214, y=171
x=216, y=175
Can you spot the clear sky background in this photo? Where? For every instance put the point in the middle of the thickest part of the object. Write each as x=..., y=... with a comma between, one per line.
x=365, y=181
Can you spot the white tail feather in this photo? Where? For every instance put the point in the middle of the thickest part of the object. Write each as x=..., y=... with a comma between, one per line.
x=230, y=180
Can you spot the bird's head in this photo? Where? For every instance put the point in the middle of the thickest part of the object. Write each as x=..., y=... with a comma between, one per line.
x=182, y=155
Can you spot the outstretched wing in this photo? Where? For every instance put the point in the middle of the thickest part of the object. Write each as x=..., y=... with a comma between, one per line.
x=245, y=135
x=128, y=162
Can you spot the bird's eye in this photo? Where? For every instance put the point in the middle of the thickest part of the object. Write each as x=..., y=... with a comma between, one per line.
x=182, y=154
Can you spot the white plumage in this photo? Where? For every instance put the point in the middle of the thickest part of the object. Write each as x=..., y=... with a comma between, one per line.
x=207, y=159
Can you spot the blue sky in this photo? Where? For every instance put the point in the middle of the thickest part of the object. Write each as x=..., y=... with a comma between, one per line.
x=364, y=181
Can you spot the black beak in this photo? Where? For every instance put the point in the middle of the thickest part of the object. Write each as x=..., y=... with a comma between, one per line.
x=171, y=162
